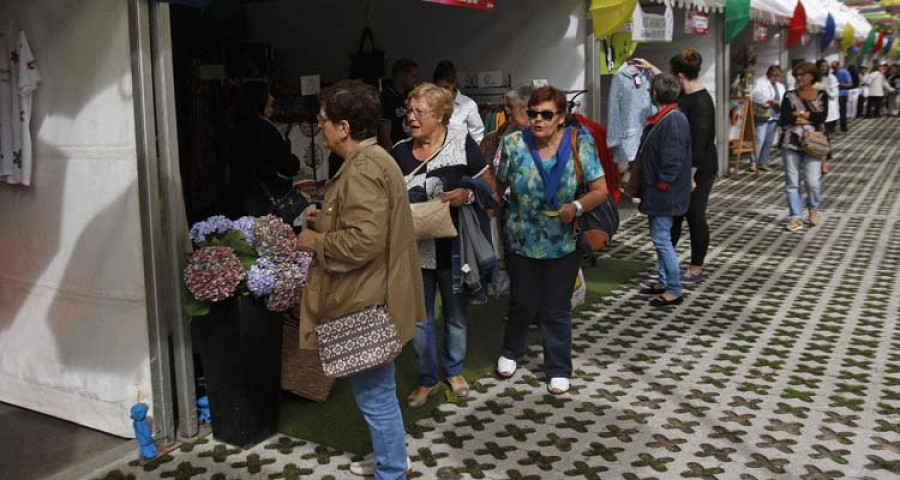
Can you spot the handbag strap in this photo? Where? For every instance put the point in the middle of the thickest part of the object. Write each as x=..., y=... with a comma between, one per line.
x=434, y=155
x=367, y=33
x=326, y=279
x=647, y=138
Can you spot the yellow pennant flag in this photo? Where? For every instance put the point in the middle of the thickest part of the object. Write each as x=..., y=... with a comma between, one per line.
x=849, y=36
x=895, y=48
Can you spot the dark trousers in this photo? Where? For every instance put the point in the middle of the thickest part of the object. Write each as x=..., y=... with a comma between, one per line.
x=861, y=107
x=873, y=109
x=542, y=289
x=696, y=218
x=842, y=103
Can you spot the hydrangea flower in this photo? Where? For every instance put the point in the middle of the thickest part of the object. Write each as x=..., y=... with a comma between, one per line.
x=213, y=274
x=215, y=224
x=261, y=277
x=245, y=225
x=274, y=238
x=286, y=290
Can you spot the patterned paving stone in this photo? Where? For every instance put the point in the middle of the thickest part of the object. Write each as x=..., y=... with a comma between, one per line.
x=782, y=365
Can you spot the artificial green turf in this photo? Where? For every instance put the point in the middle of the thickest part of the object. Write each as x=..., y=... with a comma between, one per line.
x=337, y=423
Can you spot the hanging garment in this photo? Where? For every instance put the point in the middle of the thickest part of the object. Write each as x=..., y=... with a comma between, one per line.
x=611, y=172
x=614, y=51
x=629, y=106
x=19, y=78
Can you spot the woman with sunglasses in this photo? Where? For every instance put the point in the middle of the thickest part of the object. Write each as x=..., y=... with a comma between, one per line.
x=805, y=108
x=437, y=161
x=537, y=164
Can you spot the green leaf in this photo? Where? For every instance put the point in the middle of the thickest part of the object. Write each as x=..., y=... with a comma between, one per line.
x=196, y=308
x=247, y=261
x=236, y=240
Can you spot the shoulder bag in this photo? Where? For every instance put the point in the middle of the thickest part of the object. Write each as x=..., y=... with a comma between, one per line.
x=431, y=219
x=362, y=340
x=367, y=66
x=594, y=228
x=287, y=207
x=813, y=142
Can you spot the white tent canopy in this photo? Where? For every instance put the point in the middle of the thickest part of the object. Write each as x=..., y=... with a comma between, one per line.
x=773, y=12
x=816, y=15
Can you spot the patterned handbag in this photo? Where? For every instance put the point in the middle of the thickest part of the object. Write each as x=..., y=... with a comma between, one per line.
x=361, y=340
x=594, y=228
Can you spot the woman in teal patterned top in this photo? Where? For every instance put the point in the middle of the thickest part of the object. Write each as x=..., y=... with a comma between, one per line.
x=538, y=166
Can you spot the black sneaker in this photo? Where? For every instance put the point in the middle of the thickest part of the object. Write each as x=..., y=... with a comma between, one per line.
x=691, y=279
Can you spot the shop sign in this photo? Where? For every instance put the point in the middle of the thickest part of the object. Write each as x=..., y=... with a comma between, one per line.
x=476, y=4
x=696, y=23
x=760, y=32
x=652, y=27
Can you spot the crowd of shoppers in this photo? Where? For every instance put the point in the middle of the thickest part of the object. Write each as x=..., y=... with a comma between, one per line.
x=421, y=142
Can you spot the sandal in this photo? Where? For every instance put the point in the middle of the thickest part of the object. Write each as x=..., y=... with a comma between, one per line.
x=420, y=395
x=458, y=385
x=506, y=368
x=558, y=385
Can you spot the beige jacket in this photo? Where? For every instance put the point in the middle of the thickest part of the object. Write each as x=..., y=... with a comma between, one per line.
x=369, y=196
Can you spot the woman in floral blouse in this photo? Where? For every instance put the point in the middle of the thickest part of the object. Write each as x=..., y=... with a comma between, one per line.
x=537, y=164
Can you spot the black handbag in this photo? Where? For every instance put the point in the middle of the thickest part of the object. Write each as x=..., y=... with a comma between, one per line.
x=367, y=66
x=287, y=207
x=595, y=228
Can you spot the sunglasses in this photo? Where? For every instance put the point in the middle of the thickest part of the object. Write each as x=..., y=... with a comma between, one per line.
x=547, y=115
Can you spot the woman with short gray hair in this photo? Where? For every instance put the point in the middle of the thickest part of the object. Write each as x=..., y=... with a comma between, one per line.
x=515, y=104
x=665, y=182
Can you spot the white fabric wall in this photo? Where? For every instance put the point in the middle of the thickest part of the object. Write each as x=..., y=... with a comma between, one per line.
x=526, y=38
x=73, y=330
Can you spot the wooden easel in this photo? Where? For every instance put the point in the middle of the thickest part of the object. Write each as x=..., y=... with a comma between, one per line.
x=746, y=141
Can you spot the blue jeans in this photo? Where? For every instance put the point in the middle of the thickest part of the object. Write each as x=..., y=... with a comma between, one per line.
x=765, y=133
x=376, y=396
x=794, y=163
x=455, y=328
x=661, y=231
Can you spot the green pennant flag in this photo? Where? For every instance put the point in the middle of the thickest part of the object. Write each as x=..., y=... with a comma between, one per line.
x=737, y=16
x=869, y=45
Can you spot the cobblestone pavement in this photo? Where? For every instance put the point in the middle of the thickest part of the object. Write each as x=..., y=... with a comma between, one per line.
x=784, y=364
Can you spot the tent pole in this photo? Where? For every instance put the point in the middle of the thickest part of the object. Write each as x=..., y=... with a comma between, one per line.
x=153, y=245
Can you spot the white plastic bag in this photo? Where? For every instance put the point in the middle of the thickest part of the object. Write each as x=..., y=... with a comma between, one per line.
x=578, y=295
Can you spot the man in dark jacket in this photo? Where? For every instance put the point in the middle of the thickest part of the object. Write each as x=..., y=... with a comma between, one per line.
x=665, y=183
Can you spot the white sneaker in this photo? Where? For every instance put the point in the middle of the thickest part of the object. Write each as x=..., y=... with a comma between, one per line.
x=558, y=385
x=366, y=467
x=506, y=368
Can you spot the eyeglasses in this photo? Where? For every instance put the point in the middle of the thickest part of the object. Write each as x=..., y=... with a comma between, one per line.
x=417, y=112
x=547, y=115
x=321, y=118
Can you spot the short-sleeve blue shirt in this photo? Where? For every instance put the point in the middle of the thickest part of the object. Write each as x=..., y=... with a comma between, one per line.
x=529, y=231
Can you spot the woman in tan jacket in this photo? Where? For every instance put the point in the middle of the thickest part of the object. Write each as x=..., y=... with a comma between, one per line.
x=374, y=224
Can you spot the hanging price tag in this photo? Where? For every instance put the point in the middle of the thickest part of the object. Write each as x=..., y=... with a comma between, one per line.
x=696, y=23
x=760, y=32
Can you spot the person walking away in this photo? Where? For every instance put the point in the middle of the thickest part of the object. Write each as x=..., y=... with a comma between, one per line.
x=894, y=98
x=805, y=108
x=845, y=83
x=863, y=91
x=537, y=164
x=364, y=241
x=697, y=105
x=515, y=104
x=465, y=111
x=665, y=183
x=392, y=126
x=878, y=88
x=830, y=85
x=436, y=161
x=766, y=96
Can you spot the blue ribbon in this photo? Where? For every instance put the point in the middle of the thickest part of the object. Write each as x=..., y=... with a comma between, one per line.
x=554, y=176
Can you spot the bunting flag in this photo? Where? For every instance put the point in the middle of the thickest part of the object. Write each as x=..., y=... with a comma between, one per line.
x=828, y=33
x=879, y=44
x=895, y=48
x=869, y=44
x=849, y=36
x=888, y=46
x=797, y=26
x=737, y=17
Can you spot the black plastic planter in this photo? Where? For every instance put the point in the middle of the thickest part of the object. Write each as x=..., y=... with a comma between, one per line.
x=240, y=346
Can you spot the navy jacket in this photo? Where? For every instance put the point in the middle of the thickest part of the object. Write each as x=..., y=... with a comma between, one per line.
x=666, y=157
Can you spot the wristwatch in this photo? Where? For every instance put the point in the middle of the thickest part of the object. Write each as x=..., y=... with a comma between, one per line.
x=579, y=208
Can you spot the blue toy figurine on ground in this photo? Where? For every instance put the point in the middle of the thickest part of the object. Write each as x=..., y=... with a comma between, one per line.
x=203, y=403
x=142, y=432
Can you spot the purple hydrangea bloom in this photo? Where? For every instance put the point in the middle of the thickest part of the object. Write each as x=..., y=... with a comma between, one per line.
x=261, y=277
x=245, y=225
x=215, y=224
